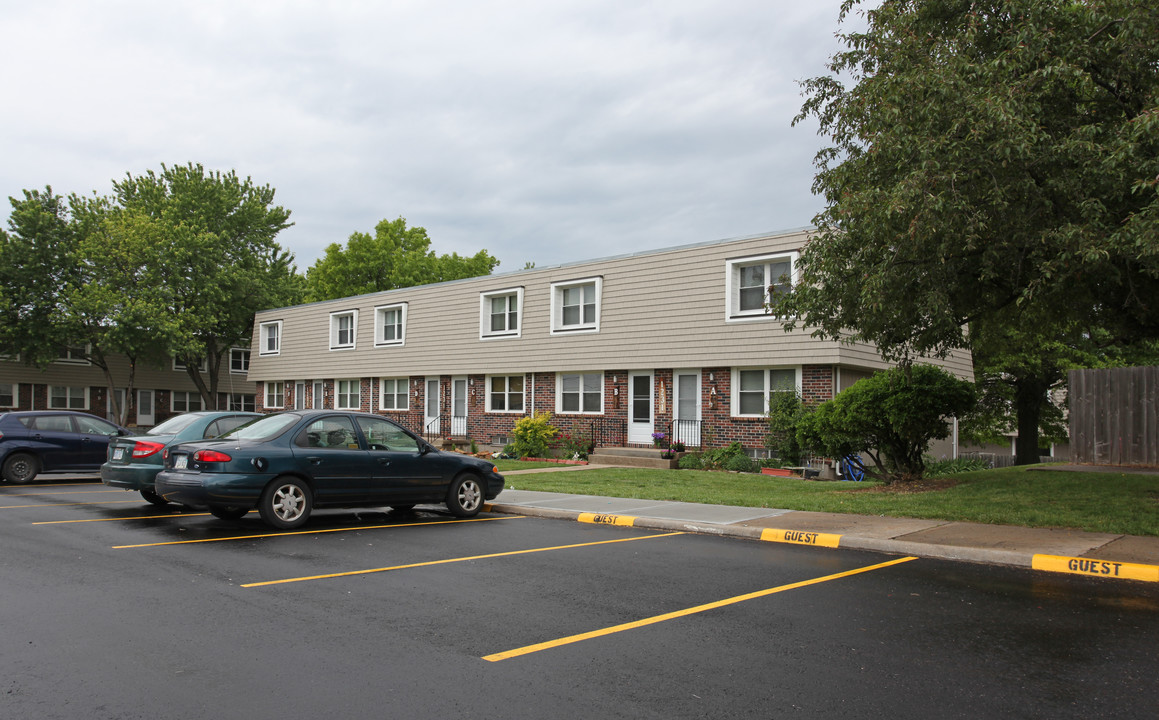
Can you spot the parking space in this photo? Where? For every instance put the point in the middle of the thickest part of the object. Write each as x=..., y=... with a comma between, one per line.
x=118, y=608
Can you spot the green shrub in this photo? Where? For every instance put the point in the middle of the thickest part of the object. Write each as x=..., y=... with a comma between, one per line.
x=938, y=468
x=717, y=457
x=532, y=435
x=691, y=461
x=742, y=463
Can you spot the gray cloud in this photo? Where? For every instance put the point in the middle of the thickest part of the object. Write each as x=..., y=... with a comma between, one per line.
x=549, y=132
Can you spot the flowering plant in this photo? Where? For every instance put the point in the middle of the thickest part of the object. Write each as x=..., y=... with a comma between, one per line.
x=658, y=438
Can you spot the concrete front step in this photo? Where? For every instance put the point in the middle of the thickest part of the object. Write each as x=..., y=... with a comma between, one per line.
x=633, y=457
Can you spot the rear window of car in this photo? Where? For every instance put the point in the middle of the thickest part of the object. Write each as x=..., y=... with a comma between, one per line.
x=266, y=428
x=173, y=425
x=225, y=424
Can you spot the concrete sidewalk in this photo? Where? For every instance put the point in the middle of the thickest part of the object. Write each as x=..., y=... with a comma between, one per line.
x=1070, y=551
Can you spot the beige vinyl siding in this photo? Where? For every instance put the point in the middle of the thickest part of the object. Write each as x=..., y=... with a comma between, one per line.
x=145, y=378
x=658, y=309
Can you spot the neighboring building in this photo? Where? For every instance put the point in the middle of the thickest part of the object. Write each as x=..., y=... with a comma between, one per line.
x=73, y=383
x=674, y=341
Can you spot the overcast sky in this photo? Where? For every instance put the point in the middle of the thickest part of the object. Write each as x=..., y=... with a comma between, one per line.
x=547, y=131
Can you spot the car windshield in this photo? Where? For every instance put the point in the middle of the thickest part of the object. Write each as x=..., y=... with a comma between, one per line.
x=173, y=425
x=264, y=428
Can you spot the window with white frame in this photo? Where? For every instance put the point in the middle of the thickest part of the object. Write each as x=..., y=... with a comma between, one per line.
x=275, y=394
x=240, y=401
x=393, y=395
x=61, y=397
x=9, y=395
x=752, y=387
x=319, y=395
x=575, y=306
x=202, y=366
x=73, y=355
x=753, y=281
x=185, y=401
x=505, y=393
x=239, y=361
x=390, y=325
x=270, y=337
x=349, y=394
x=499, y=313
x=343, y=325
x=580, y=393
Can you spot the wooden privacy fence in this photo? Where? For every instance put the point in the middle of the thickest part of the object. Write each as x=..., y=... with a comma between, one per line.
x=1114, y=416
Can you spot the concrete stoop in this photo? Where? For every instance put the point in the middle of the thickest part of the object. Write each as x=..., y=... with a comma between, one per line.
x=633, y=457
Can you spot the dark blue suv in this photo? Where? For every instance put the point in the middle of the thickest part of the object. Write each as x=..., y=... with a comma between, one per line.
x=53, y=441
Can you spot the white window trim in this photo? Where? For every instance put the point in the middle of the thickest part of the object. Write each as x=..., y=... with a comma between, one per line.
x=379, y=336
x=557, y=289
x=334, y=318
x=559, y=393
x=734, y=400
x=338, y=394
x=69, y=396
x=263, y=335
x=485, y=331
x=15, y=395
x=76, y=361
x=732, y=312
x=178, y=366
x=266, y=394
x=487, y=392
x=405, y=382
x=247, y=355
x=188, y=394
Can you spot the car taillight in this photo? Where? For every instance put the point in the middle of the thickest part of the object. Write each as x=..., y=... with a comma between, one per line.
x=145, y=449
x=211, y=456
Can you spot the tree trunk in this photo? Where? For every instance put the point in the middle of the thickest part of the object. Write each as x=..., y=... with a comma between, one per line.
x=1028, y=395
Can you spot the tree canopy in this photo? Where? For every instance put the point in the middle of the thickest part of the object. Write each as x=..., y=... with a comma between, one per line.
x=394, y=256
x=991, y=162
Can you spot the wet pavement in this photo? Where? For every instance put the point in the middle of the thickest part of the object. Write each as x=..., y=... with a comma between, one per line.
x=1047, y=549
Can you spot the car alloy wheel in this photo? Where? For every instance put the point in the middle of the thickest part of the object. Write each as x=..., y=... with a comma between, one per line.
x=465, y=498
x=286, y=503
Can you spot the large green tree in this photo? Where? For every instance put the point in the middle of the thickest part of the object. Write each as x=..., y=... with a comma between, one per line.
x=212, y=236
x=991, y=161
x=394, y=256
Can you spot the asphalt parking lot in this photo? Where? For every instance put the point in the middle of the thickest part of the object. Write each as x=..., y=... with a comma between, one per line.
x=117, y=609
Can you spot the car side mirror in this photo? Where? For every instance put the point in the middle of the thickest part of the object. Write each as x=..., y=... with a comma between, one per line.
x=426, y=448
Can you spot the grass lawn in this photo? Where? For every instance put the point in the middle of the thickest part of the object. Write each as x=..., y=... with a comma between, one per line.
x=1093, y=501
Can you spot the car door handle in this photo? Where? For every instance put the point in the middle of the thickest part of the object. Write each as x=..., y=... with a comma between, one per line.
x=85, y=439
x=314, y=460
x=384, y=461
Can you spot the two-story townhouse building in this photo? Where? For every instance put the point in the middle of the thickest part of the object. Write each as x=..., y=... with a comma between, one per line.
x=73, y=383
x=676, y=341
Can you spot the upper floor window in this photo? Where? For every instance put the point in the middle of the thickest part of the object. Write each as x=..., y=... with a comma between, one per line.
x=580, y=393
x=575, y=306
x=390, y=325
x=270, y=338
x=753, y=281
x=9, y=395
x=68, y=398
x=74, y=355
x=275, y=395
x=342, y=328
x=751, y=388
x=393, y=394
x=505, y=393
x=202, y=366
x=499, y=313
x=239, y=360
x=349, y=394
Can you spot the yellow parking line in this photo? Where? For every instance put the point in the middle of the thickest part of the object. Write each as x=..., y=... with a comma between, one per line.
x=801, y=537
x=311, y=532
x=528, y=649
x=139, y=517
x=454, y=560
x=108, y=502
x=1095, y=568
x=75, y=492
x=96, y=483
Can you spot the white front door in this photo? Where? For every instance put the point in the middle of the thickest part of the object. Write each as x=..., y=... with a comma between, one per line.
x=145, y=407
x=686, y=404
x=459, y=407
x=432, y=411
x=641, y=413
x=299, y=396
x=110, y=411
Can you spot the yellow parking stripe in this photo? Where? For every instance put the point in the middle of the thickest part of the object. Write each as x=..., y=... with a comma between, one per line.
x=801, y=537
x=1095, y=568
x=528, y=649
x=455, y=560
x=103, y=502
x=605, y=519
x=74, y=492
x=117, y=519
x=312, y=532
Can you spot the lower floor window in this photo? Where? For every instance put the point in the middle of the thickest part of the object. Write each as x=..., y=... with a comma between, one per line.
x=393, y=393
x=753, y=388
x=7, y=395
x=275, y=394
x=241, y=402
x=348, y=394
x=185, y=401
x=506, y=393
x=68, y=398
x=581, y=393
